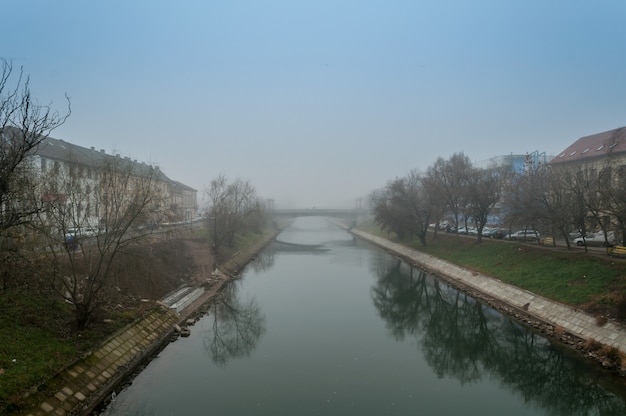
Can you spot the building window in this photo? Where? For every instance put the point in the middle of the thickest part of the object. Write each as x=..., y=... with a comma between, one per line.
x=44, y=165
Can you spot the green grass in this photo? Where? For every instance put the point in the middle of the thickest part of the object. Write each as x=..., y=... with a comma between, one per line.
x=593, y=281
x=572, y=277
x=31, y=348
x=37, y=339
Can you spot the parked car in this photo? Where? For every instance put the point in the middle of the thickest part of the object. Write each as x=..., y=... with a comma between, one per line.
x=72, y=233
x=442, y=225
x=596, y=239
x=524, y=235
x=577, y=234
x=494, y=232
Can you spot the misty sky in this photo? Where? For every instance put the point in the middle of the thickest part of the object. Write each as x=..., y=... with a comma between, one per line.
x=317, y=103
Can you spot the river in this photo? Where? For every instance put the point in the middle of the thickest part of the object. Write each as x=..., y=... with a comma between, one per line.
x=323, y=324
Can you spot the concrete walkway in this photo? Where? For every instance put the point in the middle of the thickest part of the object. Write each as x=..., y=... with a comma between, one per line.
x=571, y=320
x=84, y=384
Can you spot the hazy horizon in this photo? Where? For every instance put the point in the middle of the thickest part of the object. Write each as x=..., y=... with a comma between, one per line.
x=319, y=103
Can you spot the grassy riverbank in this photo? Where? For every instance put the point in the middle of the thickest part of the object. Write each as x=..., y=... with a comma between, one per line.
x=37, y=336
x=37, y=340
x=593, y=282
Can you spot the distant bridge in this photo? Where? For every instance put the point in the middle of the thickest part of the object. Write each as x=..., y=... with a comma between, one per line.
x=349, y=215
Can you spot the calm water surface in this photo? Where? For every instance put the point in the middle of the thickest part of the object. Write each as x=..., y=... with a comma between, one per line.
x=322, y=324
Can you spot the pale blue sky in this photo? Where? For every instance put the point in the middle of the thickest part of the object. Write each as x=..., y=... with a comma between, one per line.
x=319, y=102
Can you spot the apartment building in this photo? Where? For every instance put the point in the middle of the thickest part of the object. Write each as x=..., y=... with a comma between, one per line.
x=600, y=150
x=69, y=172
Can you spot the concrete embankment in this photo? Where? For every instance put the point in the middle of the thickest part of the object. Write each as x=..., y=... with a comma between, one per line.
x=561, y=320
x=80, y=388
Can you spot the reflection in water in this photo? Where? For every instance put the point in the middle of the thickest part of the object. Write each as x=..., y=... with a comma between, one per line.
x=313, y=231
x=350, y=330
x=464, y=339
x=284, y=246
x=263, y=261
x=232, y=330
x=235, y=327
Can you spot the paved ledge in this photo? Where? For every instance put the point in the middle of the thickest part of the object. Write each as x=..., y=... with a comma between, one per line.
x=89, y=380
x=573, y=321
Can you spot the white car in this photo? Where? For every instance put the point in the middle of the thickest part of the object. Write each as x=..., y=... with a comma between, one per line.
x=524, y=235
x=596, y=239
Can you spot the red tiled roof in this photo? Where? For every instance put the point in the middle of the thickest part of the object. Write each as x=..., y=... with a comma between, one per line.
x=596, y=145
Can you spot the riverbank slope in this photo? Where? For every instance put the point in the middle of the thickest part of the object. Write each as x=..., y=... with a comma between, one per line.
x=86, y=383
x=603, y=341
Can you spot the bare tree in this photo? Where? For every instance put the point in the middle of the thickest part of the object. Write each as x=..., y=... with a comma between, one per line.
x=598, y=188
x=616, y=201
x=611, y=186
x=233, y=209
x=451, y=176
x=24, y=124
x=512, y=197
x=89, y=223
x=483, y=192
x=558, y=202
x=524, y=197
x=437, y=197
x=419, y=203
x=405, y=207
x=390, y=211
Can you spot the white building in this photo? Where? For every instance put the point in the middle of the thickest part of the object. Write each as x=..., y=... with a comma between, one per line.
x=67, y=162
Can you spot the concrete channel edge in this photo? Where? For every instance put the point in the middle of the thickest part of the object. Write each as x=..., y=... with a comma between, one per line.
x=568, y=325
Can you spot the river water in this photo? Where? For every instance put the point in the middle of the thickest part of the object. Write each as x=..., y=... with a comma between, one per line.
x=323, y=324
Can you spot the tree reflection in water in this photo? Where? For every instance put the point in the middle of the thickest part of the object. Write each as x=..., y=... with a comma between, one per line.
x=264, y=260
x=237, y=326
x=235, y=329
x=466, y=340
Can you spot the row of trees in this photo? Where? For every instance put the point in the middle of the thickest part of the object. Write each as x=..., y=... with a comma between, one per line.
x=590, y=196
x=450, y=189
x=556, y=199
x=67, y=226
